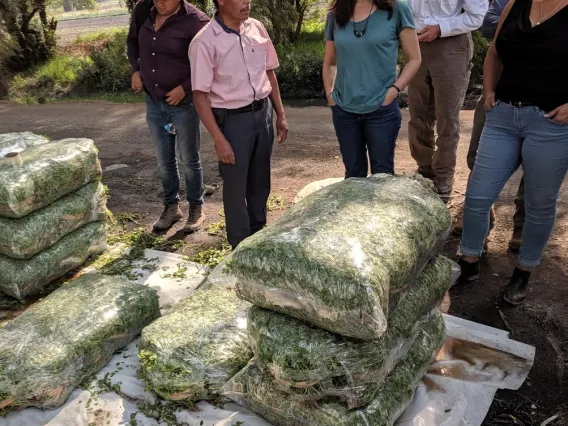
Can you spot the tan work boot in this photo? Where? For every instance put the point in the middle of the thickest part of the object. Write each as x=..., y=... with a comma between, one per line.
x=170, y=215
x=195, y=218
x=516, y=240
x=458, y=226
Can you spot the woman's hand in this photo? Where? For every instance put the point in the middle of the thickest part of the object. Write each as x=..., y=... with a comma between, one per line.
x=490, y=102
x=392, y=95
x=559, y=115
x=330, y=100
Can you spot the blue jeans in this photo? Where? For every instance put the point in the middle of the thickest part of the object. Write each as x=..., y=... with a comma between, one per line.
x=186, y=122
x=511, y=137
x=375, y=132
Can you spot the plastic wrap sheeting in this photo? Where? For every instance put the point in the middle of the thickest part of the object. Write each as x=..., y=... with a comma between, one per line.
x=311, y=363
x=18, y=142
x=25, y=237
x=21, y=278
x=259, y=392
x=194, y=349
x=343, y=257
x=49, y=171
x=68, y=336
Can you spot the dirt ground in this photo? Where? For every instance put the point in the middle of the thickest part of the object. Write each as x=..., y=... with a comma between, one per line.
x=68, y=31
x=311, y=154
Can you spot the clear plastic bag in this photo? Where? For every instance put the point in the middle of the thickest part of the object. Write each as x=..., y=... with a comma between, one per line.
x=25, y=237
x=194, y=349
x=343, y=257
x=68, y=337
x=47, y=173
x=21, y=278
x=259, y=392
x=311, y=363
x=18, y=142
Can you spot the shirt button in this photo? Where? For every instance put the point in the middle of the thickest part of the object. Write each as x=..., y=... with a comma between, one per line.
x=153, y=54
x=153, y=70
x=156, y=85
x=154, y=38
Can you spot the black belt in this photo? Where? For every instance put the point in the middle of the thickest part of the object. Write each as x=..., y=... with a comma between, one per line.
x=255, y=106
x=518, y=104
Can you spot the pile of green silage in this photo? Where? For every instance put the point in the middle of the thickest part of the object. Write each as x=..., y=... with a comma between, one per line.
x=343, y=257
x=195, y=348
x=18, y=142
x=69, y=336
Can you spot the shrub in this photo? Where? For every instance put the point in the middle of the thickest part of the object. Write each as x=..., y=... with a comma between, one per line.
x=480, y=48
x=108, y=69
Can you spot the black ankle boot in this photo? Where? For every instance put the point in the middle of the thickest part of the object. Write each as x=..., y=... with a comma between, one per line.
x=518, y=287
x=469, y=271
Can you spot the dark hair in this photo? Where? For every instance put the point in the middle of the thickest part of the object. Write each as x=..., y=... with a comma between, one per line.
x=343, y=9
x=216, y=4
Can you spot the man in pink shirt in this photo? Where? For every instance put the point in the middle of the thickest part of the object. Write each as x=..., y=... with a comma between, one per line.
x=235, y=91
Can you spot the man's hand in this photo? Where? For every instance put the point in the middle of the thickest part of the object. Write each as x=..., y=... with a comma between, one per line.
x=391, y=96
x=330, y=100
x=559, y=115
x=137, y=85
x=281, y=128
x=429, y=33
x=175, y=96
x=224, y=151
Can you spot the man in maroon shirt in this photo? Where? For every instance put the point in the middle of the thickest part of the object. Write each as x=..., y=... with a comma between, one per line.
x=158, y=56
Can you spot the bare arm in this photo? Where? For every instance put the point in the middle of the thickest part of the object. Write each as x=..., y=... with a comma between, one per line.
x=276, y=98
x=329, y=70
x=493, y=66
x=412, y=56
x=222, y=146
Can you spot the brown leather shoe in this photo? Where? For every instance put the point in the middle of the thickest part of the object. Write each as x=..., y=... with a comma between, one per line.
x=458, y=226
x=516, y=240
x=168, y=218
x=195, y=218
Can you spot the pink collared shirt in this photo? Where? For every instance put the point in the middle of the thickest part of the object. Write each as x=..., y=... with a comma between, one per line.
x=230, y=68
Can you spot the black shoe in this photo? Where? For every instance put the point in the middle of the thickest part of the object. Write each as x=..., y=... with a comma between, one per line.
x=469, y=271
x=518, y=287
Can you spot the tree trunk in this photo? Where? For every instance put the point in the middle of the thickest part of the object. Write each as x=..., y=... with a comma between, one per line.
x=67, y=5
x=299, y=24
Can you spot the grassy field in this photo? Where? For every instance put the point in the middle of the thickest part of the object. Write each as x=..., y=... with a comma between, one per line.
x=102, y=10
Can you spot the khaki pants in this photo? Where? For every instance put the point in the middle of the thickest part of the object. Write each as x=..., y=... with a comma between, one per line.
x=435, y=97
x=478, y=124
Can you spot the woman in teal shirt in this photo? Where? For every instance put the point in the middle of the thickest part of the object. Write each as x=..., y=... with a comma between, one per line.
x=359, y=74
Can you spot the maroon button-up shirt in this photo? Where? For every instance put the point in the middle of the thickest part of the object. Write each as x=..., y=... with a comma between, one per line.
x=162, y=56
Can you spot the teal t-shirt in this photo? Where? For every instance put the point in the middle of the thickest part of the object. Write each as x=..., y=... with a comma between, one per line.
x=366, y=66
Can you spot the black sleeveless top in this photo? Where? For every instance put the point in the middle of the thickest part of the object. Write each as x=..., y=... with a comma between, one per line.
x=535, y=59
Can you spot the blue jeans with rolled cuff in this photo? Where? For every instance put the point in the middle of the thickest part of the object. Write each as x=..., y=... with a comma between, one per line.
x=375, y=133
x=187, y=139
x=513, y=136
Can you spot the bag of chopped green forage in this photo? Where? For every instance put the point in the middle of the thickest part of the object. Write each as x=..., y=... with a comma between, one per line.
x=25, y=237
x=342, y=258
x=47, y=173
x=21, y=278
x=193, y=350
x=17, y=142
x=69, y=336
x=311, y=363
x=261, y=393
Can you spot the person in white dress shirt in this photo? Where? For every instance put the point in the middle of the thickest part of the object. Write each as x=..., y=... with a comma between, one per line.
x=436, y=93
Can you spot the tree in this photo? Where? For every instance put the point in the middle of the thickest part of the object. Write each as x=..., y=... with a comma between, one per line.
x=29, y=29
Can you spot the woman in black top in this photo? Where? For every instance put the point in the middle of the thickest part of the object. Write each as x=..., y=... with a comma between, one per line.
x=526, y=90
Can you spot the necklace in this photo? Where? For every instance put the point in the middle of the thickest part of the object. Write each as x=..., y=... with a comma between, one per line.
x=542, y=19
x=361, y=33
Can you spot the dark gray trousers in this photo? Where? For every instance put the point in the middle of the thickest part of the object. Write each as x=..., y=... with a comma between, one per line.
x=246, y=184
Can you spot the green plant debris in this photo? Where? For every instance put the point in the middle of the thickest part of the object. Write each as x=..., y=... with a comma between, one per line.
x=212, y=256
x=216, y=228
x=68, y=337
x=18, y=142
x=344, y=256
x=275, y=203
x=258, y=391
x=49, y=171
x=190, y=352
x=312, y=363
x=179, y=274
x=25, y=237
x=21, y=278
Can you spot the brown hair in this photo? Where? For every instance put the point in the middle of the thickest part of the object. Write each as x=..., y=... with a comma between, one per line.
x=343, y=9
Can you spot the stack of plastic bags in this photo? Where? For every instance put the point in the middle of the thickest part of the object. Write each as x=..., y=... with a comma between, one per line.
x=52, y=210
x=347, y=287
